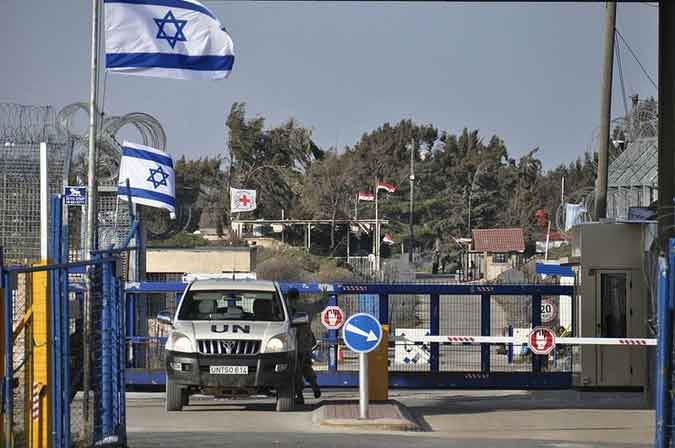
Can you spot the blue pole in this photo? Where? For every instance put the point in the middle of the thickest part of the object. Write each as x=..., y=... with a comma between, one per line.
x=485, y=331
x=130, y=325
x=332, y=341
x=536, y=321
x=435, y=312
x=8, y=367
x=509, y=350
x=55, y=324
x=106, y=368
x=121, y=353
x=663, y=358
x=65, y=307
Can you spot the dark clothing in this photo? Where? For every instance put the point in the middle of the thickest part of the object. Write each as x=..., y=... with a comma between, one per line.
x=305, y=338
x=306, y=342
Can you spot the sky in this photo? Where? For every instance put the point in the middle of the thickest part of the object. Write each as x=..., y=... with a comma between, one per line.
x=529, y=73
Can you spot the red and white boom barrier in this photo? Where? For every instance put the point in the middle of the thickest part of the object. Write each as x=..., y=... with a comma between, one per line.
x=447, y=340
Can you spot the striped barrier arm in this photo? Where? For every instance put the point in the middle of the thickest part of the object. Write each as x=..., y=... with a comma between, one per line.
x=468, y=340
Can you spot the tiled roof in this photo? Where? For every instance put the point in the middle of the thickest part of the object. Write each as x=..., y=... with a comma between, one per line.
x=498, y=240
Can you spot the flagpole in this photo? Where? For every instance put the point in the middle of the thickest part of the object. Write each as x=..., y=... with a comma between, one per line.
x=90, y=242
x=377, y=230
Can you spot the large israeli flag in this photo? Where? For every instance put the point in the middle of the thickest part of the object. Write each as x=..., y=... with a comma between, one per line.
x=151, y=177
x=166, y=38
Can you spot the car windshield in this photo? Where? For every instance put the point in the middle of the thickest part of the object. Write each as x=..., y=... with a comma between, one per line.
x=231, y=305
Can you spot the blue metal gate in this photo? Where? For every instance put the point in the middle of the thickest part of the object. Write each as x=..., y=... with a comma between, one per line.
x=433, y=309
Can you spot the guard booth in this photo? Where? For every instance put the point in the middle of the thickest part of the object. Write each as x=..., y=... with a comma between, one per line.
x=612, y=301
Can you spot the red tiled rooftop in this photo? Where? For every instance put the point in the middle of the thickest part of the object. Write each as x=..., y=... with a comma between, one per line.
x=498, y=240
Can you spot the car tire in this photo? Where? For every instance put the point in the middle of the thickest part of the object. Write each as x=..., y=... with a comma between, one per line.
x=174, y=396
x=185, y=397
x=286, y=397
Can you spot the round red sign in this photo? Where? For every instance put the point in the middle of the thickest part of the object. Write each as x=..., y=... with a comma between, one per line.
x=541, y=341
x=332, y=317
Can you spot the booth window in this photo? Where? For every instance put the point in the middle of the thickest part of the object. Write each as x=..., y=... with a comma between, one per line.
x=500, y=258
x=613, y=303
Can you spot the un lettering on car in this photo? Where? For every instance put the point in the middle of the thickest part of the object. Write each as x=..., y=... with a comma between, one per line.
x=235, y=328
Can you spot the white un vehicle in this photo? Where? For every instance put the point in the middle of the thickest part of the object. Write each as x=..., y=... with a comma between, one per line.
x=231, y=337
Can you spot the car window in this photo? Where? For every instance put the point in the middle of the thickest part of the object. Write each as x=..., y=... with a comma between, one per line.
x=231, y=305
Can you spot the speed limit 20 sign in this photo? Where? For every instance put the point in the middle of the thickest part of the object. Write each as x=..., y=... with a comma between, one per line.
x=549, y=310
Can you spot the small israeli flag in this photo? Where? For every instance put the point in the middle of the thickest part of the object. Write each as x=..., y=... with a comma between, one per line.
x=179, y=39
x=151, y=177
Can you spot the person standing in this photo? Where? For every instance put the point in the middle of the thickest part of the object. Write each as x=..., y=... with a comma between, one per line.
x=306, y=342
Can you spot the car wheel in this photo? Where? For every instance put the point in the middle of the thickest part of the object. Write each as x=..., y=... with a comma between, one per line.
x=286, y=397
x=174, y=396
x=185, y=397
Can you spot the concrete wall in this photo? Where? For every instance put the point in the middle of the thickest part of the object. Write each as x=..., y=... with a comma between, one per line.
x=206, y=260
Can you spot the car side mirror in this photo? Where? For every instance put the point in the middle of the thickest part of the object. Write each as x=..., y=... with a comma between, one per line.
x=300, y=318
x=165, y=318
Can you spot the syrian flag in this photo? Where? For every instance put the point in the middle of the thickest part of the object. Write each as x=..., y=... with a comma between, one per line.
x=366, y=196
x=386, y=186
x=388, y=240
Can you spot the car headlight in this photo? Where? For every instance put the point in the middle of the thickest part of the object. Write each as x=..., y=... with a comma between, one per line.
x=180, y=343
x=277, y=344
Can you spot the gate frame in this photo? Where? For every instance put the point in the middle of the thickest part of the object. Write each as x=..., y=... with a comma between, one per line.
x=432, y=379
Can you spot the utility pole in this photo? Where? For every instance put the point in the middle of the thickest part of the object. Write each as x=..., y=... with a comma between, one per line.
x=666, y=160
x=605, y=111
x=411, y=218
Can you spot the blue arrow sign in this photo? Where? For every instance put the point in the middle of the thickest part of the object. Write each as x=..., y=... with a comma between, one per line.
x=362, y=333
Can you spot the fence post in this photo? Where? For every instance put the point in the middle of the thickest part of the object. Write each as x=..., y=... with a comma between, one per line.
x=55, y=327
x=122, y=364
x=106, y=346
x=7, y=372
x=485, y=331
x=536, y=321
x=332, y=341
x=434, y=309
x=41, y=365
x=65, y=331
x=663, y=357
x=130, y=327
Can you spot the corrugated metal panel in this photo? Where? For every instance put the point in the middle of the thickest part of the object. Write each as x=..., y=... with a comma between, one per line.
x=636, y=166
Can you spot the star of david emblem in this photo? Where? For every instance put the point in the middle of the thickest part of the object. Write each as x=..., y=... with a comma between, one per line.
x=178, y=26
x=154, y=174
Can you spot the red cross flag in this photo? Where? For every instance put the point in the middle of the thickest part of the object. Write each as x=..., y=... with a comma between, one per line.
x=242, y=200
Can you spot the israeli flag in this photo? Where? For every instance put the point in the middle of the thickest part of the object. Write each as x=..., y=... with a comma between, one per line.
x=151, y=177
x=179, y=39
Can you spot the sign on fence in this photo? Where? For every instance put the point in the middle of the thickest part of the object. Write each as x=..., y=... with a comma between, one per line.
x=75, y=195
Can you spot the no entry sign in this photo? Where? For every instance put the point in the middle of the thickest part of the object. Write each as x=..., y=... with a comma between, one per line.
x=541, y=341
x=332, y=317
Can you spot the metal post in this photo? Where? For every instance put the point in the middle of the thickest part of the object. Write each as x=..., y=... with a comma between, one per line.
x=332, y=341
x=605, y=110
x=663, y=359
x=377, y=229
x=666, y=133
x=8, y=373
x=485, y=331
x=90, y=241
x=536, y=321
x=411, y=218
x=363, y=385
x=44, y=202
x=435, y=318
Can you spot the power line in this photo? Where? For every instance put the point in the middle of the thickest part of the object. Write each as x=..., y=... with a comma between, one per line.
x=644, y=70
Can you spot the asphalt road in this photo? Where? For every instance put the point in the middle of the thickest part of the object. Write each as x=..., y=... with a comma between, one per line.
x=479, y=419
